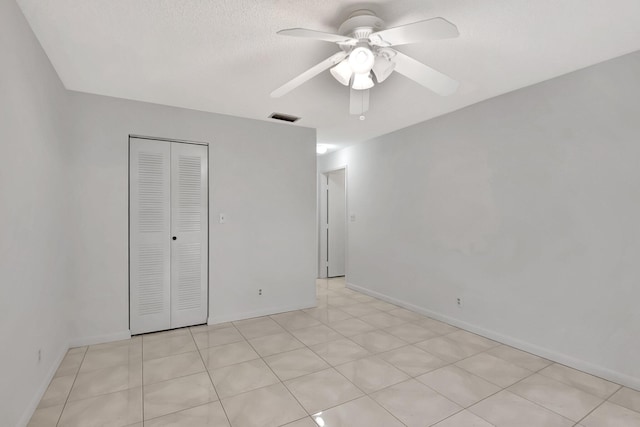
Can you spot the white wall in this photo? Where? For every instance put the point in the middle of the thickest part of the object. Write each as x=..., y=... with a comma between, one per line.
x=527, y=206
x=35, y=240
x=262, y=176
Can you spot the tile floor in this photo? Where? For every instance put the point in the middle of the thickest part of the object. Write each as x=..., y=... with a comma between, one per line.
x=354, y=361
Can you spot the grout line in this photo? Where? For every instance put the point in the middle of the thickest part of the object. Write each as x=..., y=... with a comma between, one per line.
x=74, y=382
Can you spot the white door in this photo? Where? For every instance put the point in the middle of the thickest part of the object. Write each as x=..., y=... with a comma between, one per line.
x=168, y=235
x=336, y=214
x=189, y=229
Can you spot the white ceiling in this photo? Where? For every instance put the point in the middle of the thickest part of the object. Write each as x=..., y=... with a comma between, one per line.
x=224, y=56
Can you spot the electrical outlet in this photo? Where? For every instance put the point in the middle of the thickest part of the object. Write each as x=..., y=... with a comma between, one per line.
x=259, y=291
x=459, y=300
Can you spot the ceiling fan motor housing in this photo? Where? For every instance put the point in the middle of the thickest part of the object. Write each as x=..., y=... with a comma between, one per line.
x=361, y=24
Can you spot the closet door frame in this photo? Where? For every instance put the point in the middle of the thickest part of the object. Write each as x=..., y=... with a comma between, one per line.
x=208, y=216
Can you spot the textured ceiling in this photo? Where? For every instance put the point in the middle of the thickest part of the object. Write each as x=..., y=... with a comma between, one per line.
x=224, y=56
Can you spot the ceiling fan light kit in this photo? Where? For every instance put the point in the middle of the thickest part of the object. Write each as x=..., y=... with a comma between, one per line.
x=366, y=50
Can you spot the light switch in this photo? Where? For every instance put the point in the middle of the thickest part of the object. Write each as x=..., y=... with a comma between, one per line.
x=222, y=219
x=353, y=217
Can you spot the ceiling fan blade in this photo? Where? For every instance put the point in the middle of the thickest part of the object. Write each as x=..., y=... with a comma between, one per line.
x=309, y=74
x=359, y=102
x=318, y=35
x=430, y=29
x=428, y=77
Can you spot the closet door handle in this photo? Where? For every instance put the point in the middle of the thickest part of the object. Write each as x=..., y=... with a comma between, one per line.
x=175, y=238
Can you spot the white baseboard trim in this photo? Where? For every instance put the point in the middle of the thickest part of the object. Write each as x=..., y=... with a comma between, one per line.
x=214, y=320
x=33, y=405
x=564, y=359
x=100, y=339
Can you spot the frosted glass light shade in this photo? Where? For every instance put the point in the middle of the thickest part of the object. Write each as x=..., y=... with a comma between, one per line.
x=362, y=81
x=342, y=72
x=361, y=60
x=383, y=68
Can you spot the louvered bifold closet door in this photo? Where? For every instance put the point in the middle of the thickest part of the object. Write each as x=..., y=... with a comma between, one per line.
x=150, y=242
x=189, y=225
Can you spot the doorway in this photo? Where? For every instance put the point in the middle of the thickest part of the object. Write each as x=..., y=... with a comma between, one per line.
x=168, y=234
x=333, y=223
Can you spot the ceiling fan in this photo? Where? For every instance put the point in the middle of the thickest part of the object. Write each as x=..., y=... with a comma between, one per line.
x=366, y=53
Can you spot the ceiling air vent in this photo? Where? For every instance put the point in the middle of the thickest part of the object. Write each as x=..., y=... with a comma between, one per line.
x=284, y=117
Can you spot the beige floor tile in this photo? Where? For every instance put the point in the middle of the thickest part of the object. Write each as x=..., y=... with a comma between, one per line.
x=407, y=315
x=107, y=380
x=411, y=333
x=212, y=338
x=520, y=358
x=295, y=363
x=316, y=335
x=270, y=406
x=494, y=369
x=294, y=320
x=242, y=377
x=472, y=339
x=378, y=341
x=327, y=315
x=612, y=415
x=169, y=345
x=46, y=417
x=437, y=326
x=364, y=298
x=350, y=327
x=372, y=374
x=163, y=335
x=57, y=392
x=382, y=320
x=322, y=390
x=305, y=422
x=508, y=409
x=583, y=381
x=341, y=301
x=208, y=415
x=70, y=365
x=340, y=351
x=166, y=368
x=100, y=357
x=565, y=400
x=258, y=327
x=362, y=412
x=135, y=343
x=383, y=305
x=204, y=328
x=459, y=385
x=628, y=398
x=412, y=360
x=114, y=410
x=464, y=419
x=274, y=344
x=228, y=354
x=361, y=309
x=448, y=349
x=178, y=394
x=415, y=404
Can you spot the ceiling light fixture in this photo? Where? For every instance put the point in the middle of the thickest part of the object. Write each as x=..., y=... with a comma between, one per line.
x=342, y=72
x=321, y=149
x=362, y=81
x=361, y=60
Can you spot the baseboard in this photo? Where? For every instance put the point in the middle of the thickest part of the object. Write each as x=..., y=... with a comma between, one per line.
x=33, y=405
x=214, y=320
x=100, y=339
x=564, y=359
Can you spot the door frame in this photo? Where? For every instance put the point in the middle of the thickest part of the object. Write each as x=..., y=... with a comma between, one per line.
x=322, y=270
x=180, y=141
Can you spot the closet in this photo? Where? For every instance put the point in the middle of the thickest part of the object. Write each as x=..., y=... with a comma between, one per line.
x=168, y=234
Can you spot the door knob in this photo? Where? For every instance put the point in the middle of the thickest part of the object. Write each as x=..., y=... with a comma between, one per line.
x=175, y=238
